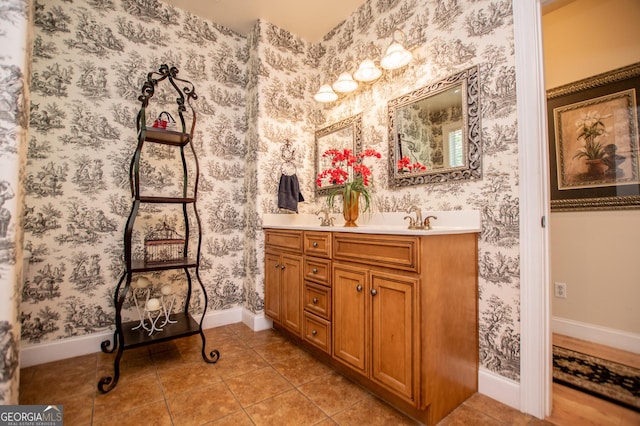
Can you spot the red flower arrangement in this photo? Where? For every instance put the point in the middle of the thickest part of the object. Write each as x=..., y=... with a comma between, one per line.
x=348, y=170
x=404, y=165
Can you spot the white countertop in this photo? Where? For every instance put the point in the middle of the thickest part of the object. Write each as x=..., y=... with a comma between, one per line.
x=446, y=222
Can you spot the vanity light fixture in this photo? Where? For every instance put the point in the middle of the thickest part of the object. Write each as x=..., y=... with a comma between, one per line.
x=367, y=71
x=396, y=55
x=345, y=83
x=325, y=94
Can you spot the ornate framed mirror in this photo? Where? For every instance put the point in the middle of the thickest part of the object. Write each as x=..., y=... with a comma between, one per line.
x=345, y=134
x=434, y=132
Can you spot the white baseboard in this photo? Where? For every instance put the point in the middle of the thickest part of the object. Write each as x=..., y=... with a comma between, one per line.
x=31, y=355
x=500, y=388
x=594, y=333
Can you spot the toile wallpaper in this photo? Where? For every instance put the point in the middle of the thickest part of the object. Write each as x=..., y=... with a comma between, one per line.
x=89, y=60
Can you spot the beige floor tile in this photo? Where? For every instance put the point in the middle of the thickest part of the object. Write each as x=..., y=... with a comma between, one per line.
x=333, y=393
x=465, y=416
x=239, y=418
x=372, y=412
x=278, y=351
x=261, y=338
x=230, y=365
x=77, y=410
x=129, y=394
x=290, y=407
x=301, y=368
x=257, y=386
x=186, y=377
x=156, y=413
x=203, y=405
x=497, y=410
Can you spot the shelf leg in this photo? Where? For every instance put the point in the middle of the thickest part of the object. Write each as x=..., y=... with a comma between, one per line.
x=108, y=383
x=213, y=356
x=106, y=343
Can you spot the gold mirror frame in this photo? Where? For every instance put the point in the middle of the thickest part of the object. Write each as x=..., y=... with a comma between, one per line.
x=471, y=168
x=325, y=139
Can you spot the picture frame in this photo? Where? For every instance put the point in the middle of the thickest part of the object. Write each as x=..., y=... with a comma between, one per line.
x=594, y=142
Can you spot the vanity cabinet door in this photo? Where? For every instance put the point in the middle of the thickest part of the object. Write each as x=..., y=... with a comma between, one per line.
x=273, y=287
x=283, y=290
x=394, y=337
x=349, y=319
x=292, y=283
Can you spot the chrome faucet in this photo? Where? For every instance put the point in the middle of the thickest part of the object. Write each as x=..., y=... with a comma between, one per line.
x=415, y=223
x=326, y=220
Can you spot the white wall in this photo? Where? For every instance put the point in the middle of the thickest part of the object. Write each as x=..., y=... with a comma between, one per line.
x=595, y=253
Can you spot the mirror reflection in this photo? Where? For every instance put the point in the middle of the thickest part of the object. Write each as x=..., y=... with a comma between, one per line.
x=345, y=134
x=434, y=132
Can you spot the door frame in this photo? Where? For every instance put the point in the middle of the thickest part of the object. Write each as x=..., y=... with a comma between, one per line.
x=535, y=333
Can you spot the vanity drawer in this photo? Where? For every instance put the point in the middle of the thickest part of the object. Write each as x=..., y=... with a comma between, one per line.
x=317, y=332
x=398, y=252
x=317, y=299
x=317, y=243
x=318, y=270
x=284, y=239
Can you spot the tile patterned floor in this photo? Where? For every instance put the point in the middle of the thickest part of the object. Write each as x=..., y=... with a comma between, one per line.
x=260, y=379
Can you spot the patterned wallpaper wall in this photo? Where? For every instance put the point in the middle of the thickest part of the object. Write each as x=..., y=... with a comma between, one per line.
x=14, y=98
x=89, y=62
x=90, y=58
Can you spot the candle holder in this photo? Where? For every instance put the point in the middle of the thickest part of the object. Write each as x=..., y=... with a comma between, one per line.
x=153, y=309
x=141, y=293
x=168, y=300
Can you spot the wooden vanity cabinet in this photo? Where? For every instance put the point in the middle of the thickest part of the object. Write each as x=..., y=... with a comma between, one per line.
x=397, y=313
x=284, y=279
x=376, y=310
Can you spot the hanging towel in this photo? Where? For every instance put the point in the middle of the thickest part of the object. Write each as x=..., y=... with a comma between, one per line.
x=289, y=193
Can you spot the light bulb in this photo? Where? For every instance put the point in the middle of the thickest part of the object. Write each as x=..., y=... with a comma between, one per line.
x=395, y=57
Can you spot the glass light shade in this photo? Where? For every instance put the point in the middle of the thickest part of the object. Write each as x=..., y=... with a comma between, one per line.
x=367, y=71
x=345, y=83
x=325, y=94
x=395, y=57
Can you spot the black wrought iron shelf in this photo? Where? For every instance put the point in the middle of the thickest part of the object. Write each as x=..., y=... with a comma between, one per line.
x=185, y=325
x=164, y=252
x=142, y=266
x=166, y=137
x=167, y=200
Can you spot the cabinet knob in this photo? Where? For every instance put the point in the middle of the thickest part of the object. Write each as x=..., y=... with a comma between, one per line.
x=282, y=267
x=359, y=288
x=314, y=332
x=277, y=265
x=314, y=270
x=315, y=300
x=315, y=244
x=374, y=292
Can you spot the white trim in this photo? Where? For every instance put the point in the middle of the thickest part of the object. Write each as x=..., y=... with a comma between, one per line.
x=31, y=355
x=256, y=322
x=597, y=334
x=499, y=388
x=535, y=349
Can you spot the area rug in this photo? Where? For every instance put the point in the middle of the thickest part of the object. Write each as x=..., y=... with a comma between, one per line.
x=608, y=380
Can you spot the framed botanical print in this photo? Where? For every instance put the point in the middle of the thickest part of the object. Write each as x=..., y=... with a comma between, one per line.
x=594, y=142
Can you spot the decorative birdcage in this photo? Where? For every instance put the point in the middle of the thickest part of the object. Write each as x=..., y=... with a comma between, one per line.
x=163, y=244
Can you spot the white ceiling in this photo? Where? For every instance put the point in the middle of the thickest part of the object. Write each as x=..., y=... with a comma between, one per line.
x=309, y=19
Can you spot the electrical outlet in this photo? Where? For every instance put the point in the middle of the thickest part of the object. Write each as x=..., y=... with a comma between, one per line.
x=561, y=290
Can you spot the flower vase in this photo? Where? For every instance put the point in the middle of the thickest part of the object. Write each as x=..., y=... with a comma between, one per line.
x=350, y=208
